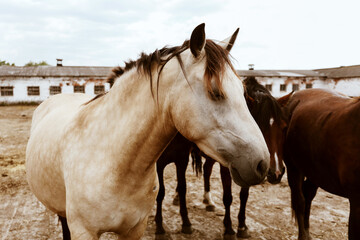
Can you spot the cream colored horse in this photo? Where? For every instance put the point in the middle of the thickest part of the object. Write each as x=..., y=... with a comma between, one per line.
x=93, y=161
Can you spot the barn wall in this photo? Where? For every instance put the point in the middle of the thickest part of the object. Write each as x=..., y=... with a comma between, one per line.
x=289, y=81
x=348, y=86
x=20, y=84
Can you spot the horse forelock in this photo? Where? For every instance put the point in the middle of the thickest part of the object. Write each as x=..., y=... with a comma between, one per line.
x=265, y=107
x=216, y=60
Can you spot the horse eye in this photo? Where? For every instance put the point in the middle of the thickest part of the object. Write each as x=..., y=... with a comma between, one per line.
x=216, y=95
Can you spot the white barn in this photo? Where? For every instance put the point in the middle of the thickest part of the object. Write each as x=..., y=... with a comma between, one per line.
x=35, y=84
x=342, y=79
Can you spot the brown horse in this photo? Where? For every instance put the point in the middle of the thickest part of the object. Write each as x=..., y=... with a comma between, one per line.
x=322, y=149
x=267, y=112
x=177, y=152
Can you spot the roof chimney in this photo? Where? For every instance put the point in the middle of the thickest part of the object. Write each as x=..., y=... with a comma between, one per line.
x=59, y=62
x=251, y=66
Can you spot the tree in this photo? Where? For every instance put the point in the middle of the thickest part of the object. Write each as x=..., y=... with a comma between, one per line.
x=41, y=63
x=6, y=63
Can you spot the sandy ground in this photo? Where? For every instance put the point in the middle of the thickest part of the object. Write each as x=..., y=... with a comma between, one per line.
x=268, y=209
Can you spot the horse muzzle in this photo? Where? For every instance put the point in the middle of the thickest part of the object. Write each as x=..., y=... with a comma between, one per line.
x=246, y=175
x=274, y=177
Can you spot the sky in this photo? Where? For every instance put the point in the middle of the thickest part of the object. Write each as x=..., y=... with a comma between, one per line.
x=274, y=34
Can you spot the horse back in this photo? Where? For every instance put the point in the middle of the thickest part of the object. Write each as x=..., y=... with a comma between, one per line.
x=323, y=139
x=61, y=104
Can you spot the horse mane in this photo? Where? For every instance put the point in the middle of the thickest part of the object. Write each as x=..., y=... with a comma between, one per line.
x=216, y=60
x=264, y=105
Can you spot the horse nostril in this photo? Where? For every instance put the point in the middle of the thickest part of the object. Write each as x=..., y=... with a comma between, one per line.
x=262, y=168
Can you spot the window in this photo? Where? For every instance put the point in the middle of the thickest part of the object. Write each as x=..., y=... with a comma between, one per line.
x=55, y=90
x=295, y=87
x=309, y=85
x=268, y=87
x=7, y=91
x=79, y=89
x=99, y=89
x=283, y=87
x=33, y=91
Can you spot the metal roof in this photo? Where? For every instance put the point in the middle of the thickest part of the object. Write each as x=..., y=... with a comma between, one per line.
x=341, y=72
x=85, y=71
x=51, y=71
x=280, y=73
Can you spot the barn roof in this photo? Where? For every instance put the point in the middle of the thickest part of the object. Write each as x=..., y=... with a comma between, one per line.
x=51, y=71
x=73, y=71
x=85, y=71
x=280, y=73
x=341, y=72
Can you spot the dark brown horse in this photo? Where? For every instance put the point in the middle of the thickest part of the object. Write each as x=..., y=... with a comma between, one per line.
x=322, y=149
x=267, y=112
x=177, y=152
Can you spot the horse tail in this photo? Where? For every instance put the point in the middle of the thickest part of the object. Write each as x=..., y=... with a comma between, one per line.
x=196, y=160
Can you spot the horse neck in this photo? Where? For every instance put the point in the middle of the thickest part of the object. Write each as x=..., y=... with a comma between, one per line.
x=136, y=126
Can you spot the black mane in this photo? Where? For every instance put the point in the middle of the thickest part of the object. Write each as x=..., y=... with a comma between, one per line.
x=263, y=105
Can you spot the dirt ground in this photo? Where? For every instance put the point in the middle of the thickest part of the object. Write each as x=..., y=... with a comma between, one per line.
x=268, y=209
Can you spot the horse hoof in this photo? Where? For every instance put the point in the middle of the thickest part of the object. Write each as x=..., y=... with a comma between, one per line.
x=187, y=230
x=243, y=233
x=160, y=231
x=210, y=208
x=229, y=237
x=163, y=236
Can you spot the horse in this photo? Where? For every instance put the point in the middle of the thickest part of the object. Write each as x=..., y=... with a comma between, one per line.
x=321, y=149
x=178, y=153
x=93, y=161
x=267, y=112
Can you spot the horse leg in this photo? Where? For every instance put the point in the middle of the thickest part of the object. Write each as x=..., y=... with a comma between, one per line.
x=208, y=166
x=354, y=218
x=159, y=199
x=181, y=166
x=242, y=228
x=176, y=200
x=295, y=180
x=227, y=200
x=65, y=228
x=309, y=191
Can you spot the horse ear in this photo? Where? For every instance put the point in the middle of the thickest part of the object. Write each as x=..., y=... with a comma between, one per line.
x=284, y=99
x=197, y=40
x=228, y=43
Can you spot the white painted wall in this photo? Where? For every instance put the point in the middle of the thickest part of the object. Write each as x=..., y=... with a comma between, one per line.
x=67, y=86
x=350, y=87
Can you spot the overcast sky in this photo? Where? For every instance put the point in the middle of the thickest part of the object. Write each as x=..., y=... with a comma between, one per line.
x=274, y=34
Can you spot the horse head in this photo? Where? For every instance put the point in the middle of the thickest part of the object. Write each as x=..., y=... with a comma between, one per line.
x=212, y=110
x=268, y=114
